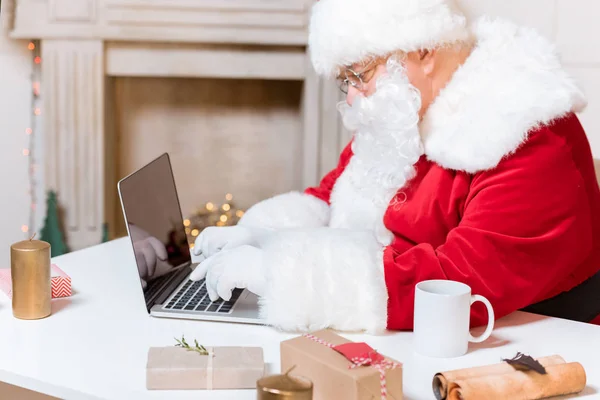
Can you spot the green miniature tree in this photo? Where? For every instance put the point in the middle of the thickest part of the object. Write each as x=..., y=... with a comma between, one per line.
x=51, y=232
x=105, y=233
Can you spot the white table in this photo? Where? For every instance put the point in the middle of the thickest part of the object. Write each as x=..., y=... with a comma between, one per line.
x=95, y=344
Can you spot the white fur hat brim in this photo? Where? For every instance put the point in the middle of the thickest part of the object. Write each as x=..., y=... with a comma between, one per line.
x=343, y=32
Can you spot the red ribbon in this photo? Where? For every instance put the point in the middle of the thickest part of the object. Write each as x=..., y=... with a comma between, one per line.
x=362, y=355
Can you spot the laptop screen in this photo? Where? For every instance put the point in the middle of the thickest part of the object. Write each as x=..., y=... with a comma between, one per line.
x=155, y=223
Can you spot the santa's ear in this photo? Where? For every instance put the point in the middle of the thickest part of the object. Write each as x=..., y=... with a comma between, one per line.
x=427, y=60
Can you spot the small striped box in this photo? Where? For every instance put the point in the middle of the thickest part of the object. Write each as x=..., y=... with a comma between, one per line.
x=61, y=283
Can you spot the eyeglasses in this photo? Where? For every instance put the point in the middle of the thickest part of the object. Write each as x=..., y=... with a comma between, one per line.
x=352, y=78
x=358, y=80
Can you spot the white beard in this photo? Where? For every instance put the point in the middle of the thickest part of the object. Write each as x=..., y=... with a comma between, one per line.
x=386, y=146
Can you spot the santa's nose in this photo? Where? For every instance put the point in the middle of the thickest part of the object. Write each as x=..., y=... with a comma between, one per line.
x=352, y=93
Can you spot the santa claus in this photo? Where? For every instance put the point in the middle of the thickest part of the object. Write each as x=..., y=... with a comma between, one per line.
x=467, y=163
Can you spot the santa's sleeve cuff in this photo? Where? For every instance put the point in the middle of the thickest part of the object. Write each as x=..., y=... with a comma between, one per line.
x=324, y=278
x=289, y=210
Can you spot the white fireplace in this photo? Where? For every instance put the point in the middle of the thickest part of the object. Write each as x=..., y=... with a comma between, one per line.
x=225, y=87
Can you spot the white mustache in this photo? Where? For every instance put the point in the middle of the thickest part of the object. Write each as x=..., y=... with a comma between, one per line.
x=396, y=102
x=387, y=143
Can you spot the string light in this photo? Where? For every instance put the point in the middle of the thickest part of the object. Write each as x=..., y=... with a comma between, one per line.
x=29, y=132
x=211, y=214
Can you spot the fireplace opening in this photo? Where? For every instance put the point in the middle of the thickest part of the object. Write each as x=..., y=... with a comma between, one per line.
x=225, y=136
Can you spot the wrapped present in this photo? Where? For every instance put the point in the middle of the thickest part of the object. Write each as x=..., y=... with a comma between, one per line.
x=342, y=369
x=175, y=368
x=61, y=282
x=519, y=378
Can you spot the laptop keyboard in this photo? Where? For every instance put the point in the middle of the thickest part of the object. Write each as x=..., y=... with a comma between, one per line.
x=156, y=285
x=193, y=296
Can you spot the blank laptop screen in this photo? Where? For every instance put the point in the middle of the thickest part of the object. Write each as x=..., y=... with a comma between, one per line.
x=153, y=215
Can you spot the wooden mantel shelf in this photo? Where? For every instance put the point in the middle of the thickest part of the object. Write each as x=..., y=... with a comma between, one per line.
x=267, y=22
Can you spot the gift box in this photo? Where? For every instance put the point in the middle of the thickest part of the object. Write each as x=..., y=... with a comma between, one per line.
x=342, y=369
x=175, y=368
x=60, y=281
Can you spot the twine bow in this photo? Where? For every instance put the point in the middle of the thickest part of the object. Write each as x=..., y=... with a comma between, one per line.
x=370, y=359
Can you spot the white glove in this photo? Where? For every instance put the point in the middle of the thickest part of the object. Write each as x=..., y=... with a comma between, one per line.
x=149, y=253
x=241, y=267
x=215, y=239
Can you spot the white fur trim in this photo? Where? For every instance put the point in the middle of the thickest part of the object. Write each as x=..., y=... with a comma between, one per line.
x=288, y=210
x=511, y=83
x=324, y=278
x=343, y=32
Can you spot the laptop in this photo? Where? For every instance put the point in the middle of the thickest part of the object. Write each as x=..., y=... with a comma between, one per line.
x=155, y=226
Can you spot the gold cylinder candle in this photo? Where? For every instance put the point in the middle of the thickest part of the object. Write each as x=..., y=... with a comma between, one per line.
x=31, y=279
x=284, y=387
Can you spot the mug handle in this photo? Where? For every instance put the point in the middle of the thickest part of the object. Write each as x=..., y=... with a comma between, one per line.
x=490, y=325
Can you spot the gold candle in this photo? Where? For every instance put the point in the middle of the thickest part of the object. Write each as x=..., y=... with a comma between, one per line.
x=31, y=280
x=284, y=387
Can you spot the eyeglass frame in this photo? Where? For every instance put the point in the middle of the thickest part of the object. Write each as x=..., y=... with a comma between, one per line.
x=377, y=60
x=360, y=85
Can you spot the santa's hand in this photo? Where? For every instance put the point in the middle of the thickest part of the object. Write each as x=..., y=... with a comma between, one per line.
x=241, y=268
x=215, y=239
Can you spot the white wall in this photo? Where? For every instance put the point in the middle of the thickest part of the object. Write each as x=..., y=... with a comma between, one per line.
x=15, y=117
x=572, y=24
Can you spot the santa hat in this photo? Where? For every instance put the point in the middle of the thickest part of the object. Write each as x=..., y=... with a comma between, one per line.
x=343, y=32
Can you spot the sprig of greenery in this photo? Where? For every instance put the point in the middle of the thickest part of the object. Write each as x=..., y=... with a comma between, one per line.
x=197, y=348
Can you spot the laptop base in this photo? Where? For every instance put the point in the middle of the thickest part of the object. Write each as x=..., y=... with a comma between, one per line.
x=245, y=311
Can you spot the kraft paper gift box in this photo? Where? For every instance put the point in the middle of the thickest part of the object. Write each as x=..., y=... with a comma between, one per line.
x=175, y=368
x=60, y=282
x=334, y=376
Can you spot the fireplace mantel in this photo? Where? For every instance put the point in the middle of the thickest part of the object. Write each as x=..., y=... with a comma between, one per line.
x=85, y=44
x=268, y=22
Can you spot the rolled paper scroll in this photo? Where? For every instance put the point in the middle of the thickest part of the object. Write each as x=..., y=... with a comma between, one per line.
x=560, y=379
x=442, y=380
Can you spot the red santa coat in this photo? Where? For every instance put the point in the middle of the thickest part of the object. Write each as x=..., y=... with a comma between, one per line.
x=504, y=199
x=518, y=234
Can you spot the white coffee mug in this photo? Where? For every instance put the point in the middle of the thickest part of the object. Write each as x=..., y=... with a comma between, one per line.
x=442, y=318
